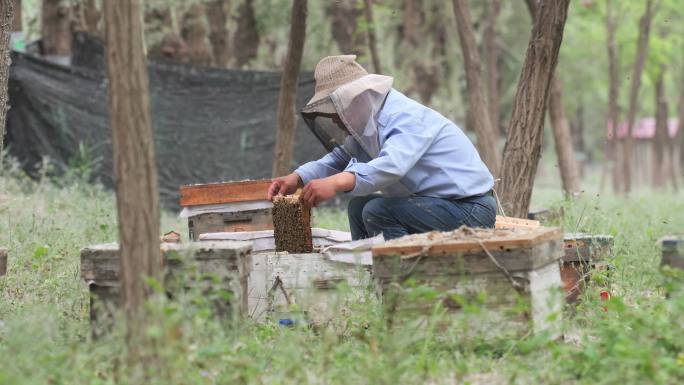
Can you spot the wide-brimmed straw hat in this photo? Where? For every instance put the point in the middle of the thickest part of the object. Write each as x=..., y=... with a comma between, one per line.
x=334, y=71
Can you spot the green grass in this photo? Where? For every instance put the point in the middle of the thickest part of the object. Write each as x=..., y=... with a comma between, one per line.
x=44, y=333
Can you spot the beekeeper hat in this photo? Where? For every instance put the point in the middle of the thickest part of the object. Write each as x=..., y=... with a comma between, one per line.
x=331, y=73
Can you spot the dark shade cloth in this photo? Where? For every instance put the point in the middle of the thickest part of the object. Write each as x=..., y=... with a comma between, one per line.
x=210, y=124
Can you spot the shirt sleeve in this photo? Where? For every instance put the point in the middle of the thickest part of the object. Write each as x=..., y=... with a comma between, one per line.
x=331, y=164
x=407, y=140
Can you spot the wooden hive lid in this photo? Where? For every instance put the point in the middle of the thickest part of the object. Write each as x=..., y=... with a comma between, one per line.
x=468, y=240
x=224, y=192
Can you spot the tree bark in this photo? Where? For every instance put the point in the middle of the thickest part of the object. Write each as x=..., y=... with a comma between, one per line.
x=639, y=62
x=56, y=28
x=372, y=44
x=492, y=57
x=680, y=132
x=612, y=142
x=92, y=17
x=426, y=77
x=486, y=135
x=135, y=170
x=287, y=118
x=524, y=140
x=17, y=24
x=6, y=16
x=345, y=14
x=194, y=33
x=562, y=136
x=246, y=37
x=660, y=169
x=217, y=14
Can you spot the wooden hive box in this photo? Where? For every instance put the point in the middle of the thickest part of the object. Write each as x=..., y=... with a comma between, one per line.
x=216, y=268
x=673, y=251
x=226, y=207
x=281, y=282
x=583, y=254
x=512, y=275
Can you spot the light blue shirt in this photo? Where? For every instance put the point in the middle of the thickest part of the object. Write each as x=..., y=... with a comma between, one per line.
x=422, y=153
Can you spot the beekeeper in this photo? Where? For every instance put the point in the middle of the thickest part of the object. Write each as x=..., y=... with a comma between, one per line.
x=409, y=169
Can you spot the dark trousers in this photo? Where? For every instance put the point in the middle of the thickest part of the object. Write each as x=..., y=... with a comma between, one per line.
x=396, y=217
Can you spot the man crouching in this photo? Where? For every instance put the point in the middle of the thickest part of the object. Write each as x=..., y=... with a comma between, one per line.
x=410, y=169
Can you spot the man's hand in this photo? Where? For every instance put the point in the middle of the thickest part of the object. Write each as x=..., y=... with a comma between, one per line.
x=320, y=190
x=284, y=185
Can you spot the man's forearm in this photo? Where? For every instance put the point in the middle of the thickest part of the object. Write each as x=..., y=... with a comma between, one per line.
x=344, y=181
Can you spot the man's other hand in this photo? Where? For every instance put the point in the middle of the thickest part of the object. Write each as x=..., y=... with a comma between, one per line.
x=318, y=191
x=284, y=185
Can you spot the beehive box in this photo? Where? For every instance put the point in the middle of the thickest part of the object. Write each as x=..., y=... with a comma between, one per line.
x=318, y=287
x=511, y=275
x=226, y=207
x=673, y=251
x=219, y=269
x=583, y=254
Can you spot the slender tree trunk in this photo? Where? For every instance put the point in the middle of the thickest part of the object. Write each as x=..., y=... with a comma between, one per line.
x=217, y=14
x=56, y=24
x=134, y=162
x=661, y=135
x=372, y=44
x=345, y=15
x=426, y=77
x=246, y=37
x=194, y=32
x=612, y=141
x=680, y=131
x=6, y=16
x=562, y=136
x=287, y=118
x=639, y=62
x=17, y=24
x=92, y=16
x=492, y=57
x=524, y=141
x=486, y=135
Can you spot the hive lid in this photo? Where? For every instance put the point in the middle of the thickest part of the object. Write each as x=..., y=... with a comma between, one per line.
x=468, y=240
x=224, y=192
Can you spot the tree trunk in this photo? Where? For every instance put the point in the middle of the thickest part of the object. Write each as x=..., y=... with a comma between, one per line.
x=680, y=132
x=287, y=118
x=134, y=162
x=166, y=42
x=492, y=57
x=426, y=77
x=217, y=14
x=372, y=44
x=562, y=136
x=486, y=135
x=56, y=28
x=194, y=32
x=611, y=147
x=246, y=37
x=661, y=135
x=6, y=15
x=639, y=62
x=345, y=31
x=525, y=130
x=17, y=24
x=92, y=16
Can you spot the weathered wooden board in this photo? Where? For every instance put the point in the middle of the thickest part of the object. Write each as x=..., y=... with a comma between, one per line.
x=310, y=281
x=209, y=266
x=503, y=222
x=442, y=244
x=250, y=220
x=224, y=192
x=586, y=248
